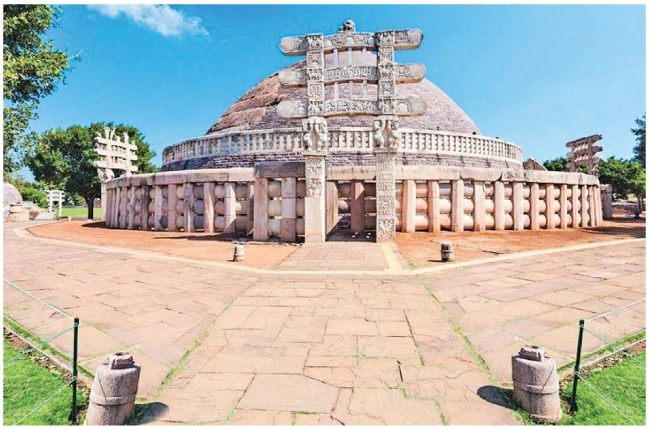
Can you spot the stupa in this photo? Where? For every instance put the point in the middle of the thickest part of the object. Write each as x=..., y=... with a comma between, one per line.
x=348, y=138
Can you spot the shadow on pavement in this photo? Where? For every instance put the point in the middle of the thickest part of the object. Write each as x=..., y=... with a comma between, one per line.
x=496, y=395
x=150, y=412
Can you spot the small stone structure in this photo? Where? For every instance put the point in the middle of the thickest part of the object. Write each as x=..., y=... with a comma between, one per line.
x=583, y=153
x=347, y=139
x=536, y=387
x=54, y=197
x=114, y=154
x=112, y=396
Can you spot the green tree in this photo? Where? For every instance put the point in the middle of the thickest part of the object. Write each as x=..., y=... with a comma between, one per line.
x=639, y=148
x=627, y=177
x=31, y=69
x=63, y=159
x=557, y=164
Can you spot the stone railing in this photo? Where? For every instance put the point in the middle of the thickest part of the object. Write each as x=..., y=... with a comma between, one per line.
x=344, y=139
x=271, y=200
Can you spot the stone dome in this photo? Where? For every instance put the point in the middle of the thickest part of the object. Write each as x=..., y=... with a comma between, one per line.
x=11, y=195
x=256, y=110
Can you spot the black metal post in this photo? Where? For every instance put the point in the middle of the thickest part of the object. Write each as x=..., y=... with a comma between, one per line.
x=73, y=412
x=576, y=369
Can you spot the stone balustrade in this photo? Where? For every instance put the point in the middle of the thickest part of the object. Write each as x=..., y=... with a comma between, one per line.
x=344, y=139
x=242, y=201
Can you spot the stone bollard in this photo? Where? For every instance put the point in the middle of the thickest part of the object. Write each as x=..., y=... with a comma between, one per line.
x=536, y=387
x=112, y=396
x=447, y=251
x=239, y=252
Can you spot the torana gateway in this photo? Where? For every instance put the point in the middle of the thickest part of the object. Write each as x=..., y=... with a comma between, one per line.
x=348, y=138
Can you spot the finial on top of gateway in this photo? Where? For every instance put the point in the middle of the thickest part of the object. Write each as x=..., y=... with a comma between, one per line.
x=348, y=27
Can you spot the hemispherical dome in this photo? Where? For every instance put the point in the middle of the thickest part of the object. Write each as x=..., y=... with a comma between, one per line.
x=10, y=194
x=256, y=110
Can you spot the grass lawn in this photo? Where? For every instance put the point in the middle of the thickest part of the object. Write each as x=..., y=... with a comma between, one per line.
x=27, y=385
x=623, y=384
x=80, y=212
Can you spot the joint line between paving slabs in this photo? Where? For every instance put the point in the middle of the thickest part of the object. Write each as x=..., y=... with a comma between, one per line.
x=480, y=362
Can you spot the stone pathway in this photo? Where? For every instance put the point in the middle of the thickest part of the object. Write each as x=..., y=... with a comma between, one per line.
x=381, y=346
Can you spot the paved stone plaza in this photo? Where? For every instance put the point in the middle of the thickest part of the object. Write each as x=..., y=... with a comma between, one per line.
x=363, y=339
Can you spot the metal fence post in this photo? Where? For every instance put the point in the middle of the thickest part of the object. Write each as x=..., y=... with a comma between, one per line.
x=576, y=369
x=73, y=412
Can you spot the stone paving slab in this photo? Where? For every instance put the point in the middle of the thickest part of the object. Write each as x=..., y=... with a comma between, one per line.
x=364, y=347
x=544, y=304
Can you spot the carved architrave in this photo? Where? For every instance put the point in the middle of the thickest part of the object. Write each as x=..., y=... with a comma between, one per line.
x=403, y=73
x=402, y=39
x=392, y=106
x=583, y=153
x=114, y=153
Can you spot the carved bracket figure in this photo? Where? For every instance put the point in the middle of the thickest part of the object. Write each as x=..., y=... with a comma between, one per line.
x=314, y=133
x=385, y=132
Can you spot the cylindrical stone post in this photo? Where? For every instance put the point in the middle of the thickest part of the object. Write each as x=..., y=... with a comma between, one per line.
x=112, y=396
x=535, y=384
x=240, y=252
x=447, y=252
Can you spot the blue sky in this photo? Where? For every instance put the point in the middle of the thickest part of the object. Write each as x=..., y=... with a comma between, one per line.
x=535, y=75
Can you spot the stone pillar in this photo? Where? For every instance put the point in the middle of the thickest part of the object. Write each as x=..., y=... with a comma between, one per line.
x=408, y=206
x=563, y=206
x=499, y=210
x=157, y=207
x=584, y=191
x=105, y=209
x=261, y=217
x=433, y=206
x=574, y=206
x=144, y=210
x=288, y=205
x=315, y=195
x=358, y=209
x=598, y=205
x=189, y=205
x=332, y=217
x=385, y=192
x=130, y=221
x=457, y=211
x=550, y=200
x=230, y=214
x=534, y=206
x=518, y=206
x=250, y=194
x=172, y=199
x=208, y=205
x=103, y=200
x=479, y=206
x=123, y=201
x=592, y=206
x=606, y=189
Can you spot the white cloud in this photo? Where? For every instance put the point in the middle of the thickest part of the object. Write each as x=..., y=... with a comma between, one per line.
x=160, y=18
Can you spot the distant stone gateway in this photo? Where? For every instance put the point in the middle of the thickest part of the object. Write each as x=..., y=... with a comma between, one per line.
x=348, y=139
